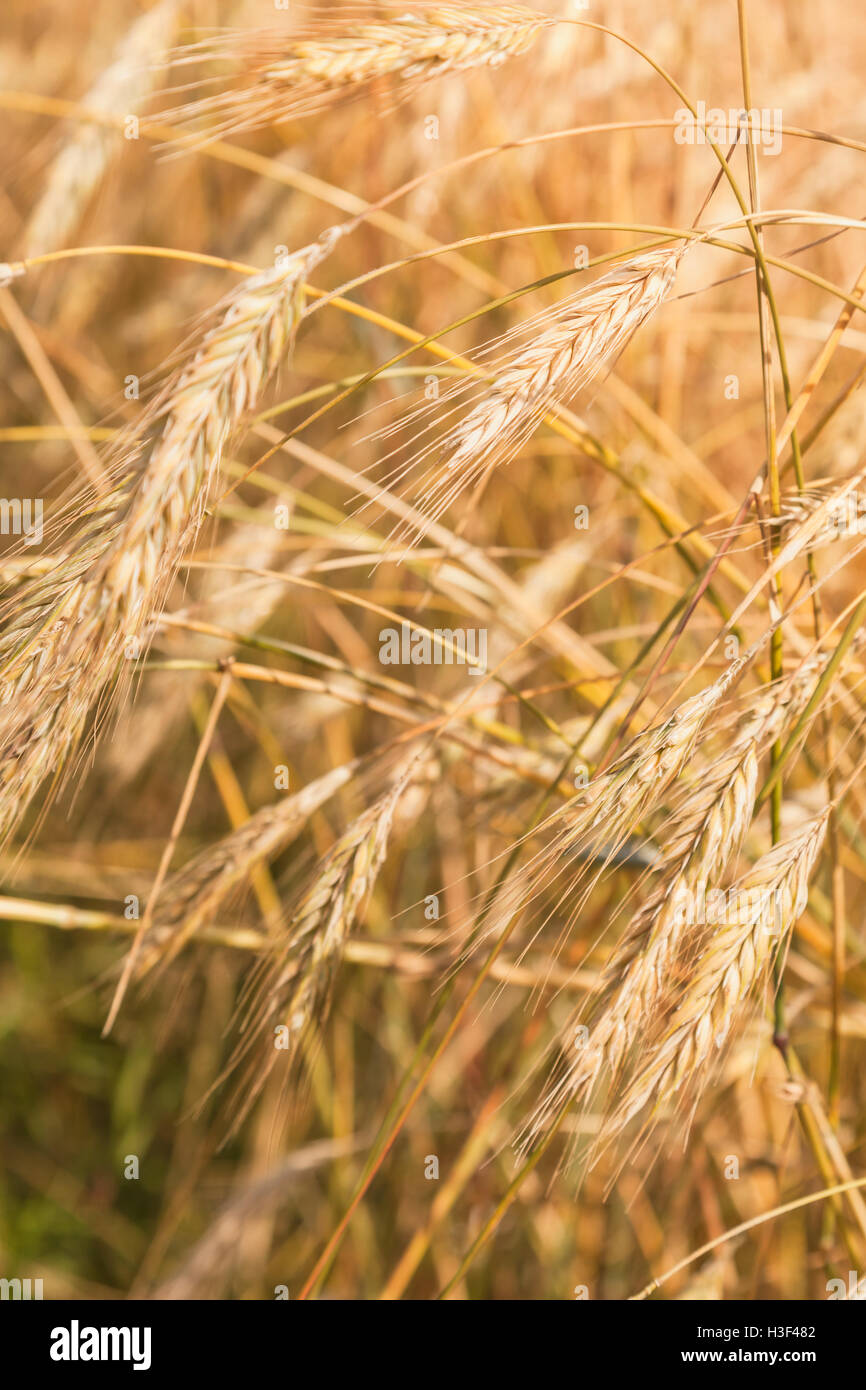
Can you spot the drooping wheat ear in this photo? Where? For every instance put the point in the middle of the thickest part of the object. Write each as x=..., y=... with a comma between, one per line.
x=328, y=912
x=194, y=895
x=585, y=333
x=296, y=985
x=702, y=837
x=616, y=800
x=604, y=814
x=71, y=630
x=704, y=840
x=81, y=163
x=203, y=409
x=290, y=75
x=736, y=956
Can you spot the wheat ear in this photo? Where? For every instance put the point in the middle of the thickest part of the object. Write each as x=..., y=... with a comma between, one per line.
x=703, y=835
x=616, y=800
x=72, y=628
x=327, y=914
x=602, y=816
x=584, y=335
x=297, y=982
x=194, y=895
x=287, y=76
x=735, y=959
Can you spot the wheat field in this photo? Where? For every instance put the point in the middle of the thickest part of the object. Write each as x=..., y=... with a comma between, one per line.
x=432, y=699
